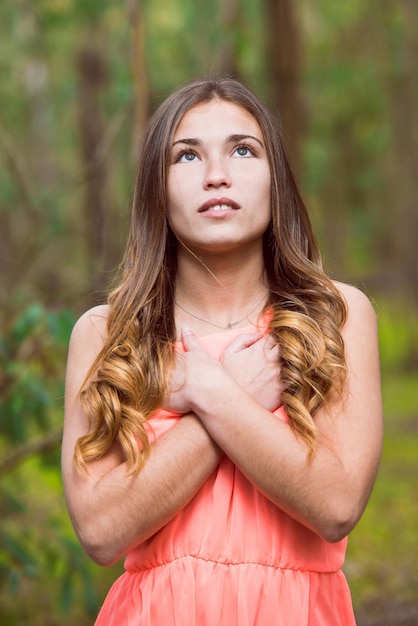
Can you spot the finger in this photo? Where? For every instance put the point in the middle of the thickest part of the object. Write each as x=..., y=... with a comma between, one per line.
x=189, y=339
x=241, y=342
x=270, y=343
x=271, y=351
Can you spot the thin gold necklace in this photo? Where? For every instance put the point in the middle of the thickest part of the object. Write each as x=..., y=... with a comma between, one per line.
x=230, y=325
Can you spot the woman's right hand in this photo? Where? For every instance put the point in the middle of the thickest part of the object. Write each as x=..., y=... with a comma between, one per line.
x=252, y=360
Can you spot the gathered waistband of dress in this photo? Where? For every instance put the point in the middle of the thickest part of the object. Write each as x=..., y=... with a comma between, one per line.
x=136, y=567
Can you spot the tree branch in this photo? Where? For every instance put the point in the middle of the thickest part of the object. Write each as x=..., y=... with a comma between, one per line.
x=34, y=447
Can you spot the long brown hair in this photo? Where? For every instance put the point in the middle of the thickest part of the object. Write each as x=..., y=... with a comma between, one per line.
x=131, y=372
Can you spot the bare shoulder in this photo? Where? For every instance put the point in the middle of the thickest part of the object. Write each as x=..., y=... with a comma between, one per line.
x=361, y=339
x=87, y=340
x=359, y=306
x=91, y=325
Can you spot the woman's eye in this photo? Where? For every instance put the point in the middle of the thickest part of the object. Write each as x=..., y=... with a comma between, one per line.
x=244, y=151
x=186, y=157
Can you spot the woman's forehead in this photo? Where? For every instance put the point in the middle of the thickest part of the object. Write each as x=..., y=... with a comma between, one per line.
x=217, y=117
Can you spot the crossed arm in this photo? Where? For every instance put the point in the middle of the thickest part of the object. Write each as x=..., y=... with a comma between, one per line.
x=112, y=512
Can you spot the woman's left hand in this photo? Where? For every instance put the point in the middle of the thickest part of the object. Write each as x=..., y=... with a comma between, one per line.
x=190, y=370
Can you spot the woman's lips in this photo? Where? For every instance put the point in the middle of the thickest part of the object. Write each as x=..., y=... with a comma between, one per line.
x=219, y=204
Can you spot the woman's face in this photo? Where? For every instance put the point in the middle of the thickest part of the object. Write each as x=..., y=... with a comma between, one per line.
x=219, y=179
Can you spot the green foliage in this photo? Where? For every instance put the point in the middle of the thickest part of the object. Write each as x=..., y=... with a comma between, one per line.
x=45, y=577
x=43, y=570
x=37, y=543
x=32, y=350
x=398, y=336
x=381, y=559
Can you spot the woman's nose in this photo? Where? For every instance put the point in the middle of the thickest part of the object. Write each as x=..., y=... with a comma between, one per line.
x=217, y=174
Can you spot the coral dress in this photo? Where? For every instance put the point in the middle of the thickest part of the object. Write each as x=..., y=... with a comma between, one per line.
x=230, y=558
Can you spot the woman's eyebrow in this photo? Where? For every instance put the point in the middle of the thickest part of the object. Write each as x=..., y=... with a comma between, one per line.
x=235, y=138
x=188, y=141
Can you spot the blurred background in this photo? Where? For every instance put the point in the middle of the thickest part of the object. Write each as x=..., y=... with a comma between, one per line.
x=78, y=80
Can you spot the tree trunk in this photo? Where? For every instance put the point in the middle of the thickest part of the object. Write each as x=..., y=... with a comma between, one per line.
x=229, y=12
x=284, y=64
x=92, y=79
x=139, y=71
x=403, y=217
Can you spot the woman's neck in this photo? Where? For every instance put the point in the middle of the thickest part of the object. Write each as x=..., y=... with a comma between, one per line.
x=218, y=291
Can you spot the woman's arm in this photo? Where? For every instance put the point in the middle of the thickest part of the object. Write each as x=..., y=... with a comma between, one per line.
x=329, y=493
x=112, y=512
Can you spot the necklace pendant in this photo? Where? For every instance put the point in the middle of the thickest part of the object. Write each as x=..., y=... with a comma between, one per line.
x=230, y=325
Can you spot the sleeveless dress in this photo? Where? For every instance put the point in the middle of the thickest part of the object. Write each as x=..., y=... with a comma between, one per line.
x=230, y=558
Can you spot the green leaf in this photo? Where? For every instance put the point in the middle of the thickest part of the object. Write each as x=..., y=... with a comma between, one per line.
x=28, y=321
x=60, y=324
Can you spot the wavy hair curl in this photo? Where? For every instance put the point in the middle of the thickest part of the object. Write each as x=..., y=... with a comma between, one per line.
x=307, y=311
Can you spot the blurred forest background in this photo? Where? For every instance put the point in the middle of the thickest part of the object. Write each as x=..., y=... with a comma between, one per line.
x=78, y=80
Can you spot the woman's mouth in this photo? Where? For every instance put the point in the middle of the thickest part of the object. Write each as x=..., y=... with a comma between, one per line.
x=218, y=205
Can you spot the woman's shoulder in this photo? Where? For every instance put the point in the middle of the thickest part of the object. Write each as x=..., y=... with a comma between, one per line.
x=351, y=294
x=91, y=325
x=359, y=306
x=87, y=340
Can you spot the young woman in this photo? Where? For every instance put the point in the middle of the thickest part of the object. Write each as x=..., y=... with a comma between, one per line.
x=223, y=415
